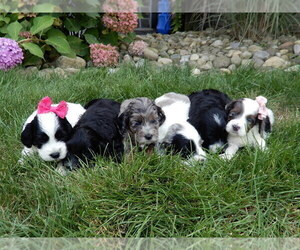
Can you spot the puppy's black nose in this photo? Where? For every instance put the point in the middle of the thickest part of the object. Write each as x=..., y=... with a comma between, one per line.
x=148, y=136
x=235, y=127
x=55, y=155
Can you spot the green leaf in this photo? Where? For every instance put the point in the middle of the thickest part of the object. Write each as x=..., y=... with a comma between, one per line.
x=56, y=32
x=88, y=22
x=110, y=38
x=78, y=46
x=72, y=24
x=41, y=23
x=32, y=60
x=14, y=29
x=5, y=19
x=90, y=39
x=4, y=30
x=61, y=45
x=43, y=8
x=33, y=49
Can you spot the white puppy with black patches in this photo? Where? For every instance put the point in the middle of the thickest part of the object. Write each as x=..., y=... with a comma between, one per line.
x=249, y=123
x=48, y=128
x=176, y=132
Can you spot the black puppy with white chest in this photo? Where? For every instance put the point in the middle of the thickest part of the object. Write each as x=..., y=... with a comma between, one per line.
x=208, y=115
x=96, y=133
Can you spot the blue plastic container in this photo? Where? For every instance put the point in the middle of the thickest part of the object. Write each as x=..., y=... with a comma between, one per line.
x=164, y=17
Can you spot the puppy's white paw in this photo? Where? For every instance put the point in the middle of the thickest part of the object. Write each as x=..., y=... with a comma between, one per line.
x=62, y=170
x=225, y=156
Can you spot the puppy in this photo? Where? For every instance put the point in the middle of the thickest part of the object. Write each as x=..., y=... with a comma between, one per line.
x=176, y=132
x=96, y=133
x=208, y=115
x=249, y=122
x=48, y=128
x=140, y=119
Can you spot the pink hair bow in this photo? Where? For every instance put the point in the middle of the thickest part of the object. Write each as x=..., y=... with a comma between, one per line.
x=44, y=106
x=262, y=110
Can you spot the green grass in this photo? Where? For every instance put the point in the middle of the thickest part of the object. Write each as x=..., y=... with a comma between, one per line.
x=256, y=194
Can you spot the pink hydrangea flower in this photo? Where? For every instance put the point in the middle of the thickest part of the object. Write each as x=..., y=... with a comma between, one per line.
x=137, y=48
x=10, y=54
x=104, y=55
x=120, y=15
x=120, y=22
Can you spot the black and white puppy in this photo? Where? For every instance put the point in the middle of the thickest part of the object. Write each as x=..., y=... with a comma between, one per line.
x=176, y=132
x=48, y=128
x=249, y=123
x=96, y=133
x=141, y=119
x=208, y=115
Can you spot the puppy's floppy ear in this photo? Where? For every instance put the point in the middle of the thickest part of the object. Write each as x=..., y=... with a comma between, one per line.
x=66, y=126
x=265, y=125
x=27, y=135
x=161, y=115
x=123, y=121
x=229, y=106
x=125, y=105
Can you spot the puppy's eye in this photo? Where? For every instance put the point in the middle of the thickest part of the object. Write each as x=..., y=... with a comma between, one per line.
x=43, y=138
x=250, y=120
x=59, y=135
x=231, y=114
x=153, y=121
x=136, y=124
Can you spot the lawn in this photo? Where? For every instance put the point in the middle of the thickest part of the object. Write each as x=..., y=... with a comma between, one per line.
x=255, y=194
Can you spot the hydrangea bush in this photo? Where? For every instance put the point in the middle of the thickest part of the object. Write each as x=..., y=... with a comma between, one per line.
x=10, y=54
x=104, y=55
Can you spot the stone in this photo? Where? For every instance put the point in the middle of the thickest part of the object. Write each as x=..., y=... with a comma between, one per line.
x=272, y=51
x=127, y=58
x=150, y=54
x=164, y=54
x=284, y=51
x=297, y=42
x=65, y=62
x=254, y=48
x=211, y=57
x=286, y=45
x=236, y=60
x=71, y=71
x=207, y=66
x=136, y=58
x=165, y=61
x=31, y=70
x=275, y=62
x=45, y=73
x=221, y=62
x=194, y=57
x=262, y=54
x=185, y=59
x=247, y=62
x=293, y=68
x=246, y=55
x=235, y=45
x=175, y=58
x=201, y=61
x=232, y=67
x=196, y=72
x=60, y=72
x=183, y=52
x=296, y=60
x=140, y=63
x=192, y=64
x=297, y=49
x=224, y=70
x=171, y=52
x=257, y=62
x=217, y=43
x=112, y=70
